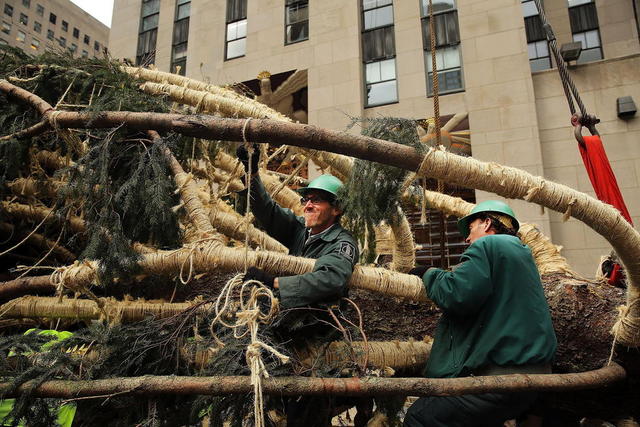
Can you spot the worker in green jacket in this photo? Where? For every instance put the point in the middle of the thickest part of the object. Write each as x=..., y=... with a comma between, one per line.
x=495, y=321
x=306, y=298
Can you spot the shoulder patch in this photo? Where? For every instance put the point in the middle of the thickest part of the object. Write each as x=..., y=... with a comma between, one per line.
x=348, y=251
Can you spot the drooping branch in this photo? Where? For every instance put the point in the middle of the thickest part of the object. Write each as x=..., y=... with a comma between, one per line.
x=295, y=386
x=40, y=241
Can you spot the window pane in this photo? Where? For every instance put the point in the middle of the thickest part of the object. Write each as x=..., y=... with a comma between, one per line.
x=242, y=28
x=372, y=72
x=577, y=2
x=378, y=17
x=179, y=51
x=50, y=35
x=451, y=80
x=531, y=48
x=232, y=30
x=593, y=40
x=583, y=18
x=382, y=93
x=149, y=7
x=529, y=9
x=184, y=11
x=37, y=27
x=52, y=18
x=26, y=3
x=8, y=10
x=388, y=69
x=297, y=32
x=297, y=13
x=542, y=49
x=370, y=4
x=236, y=48
x=378, y=44
x=24, y=19
x=21, y=36
x=590, y=55
x=40, y=10
x=438, y=6
x=181, y=31
x=534, y=29
x=6, y=27
x=540, y=64
x=450, y=58
x=580, y=37
x=62, y=41
x=150, y=22
x=35, y=44
x=236, y=10
x=76, y=33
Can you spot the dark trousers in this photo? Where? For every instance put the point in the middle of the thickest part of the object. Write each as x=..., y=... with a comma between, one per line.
x=472, y=410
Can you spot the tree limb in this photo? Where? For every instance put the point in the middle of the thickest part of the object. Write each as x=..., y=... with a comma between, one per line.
x=295, y=386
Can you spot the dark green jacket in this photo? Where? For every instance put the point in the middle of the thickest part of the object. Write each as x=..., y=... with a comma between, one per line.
x=494, y=310
x=335, y=252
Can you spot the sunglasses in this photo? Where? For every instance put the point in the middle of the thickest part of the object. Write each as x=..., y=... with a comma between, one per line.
x=313, y=199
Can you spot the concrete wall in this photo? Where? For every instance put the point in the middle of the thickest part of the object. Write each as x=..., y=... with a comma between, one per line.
x=64, y=11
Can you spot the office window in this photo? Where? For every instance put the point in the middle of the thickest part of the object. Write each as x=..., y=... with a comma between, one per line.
x=96, y=45
x=87, y=39
x=85, y=54
x=50, y=34
x=73, y=48
x=236, y=36
x=148, y=33
x=539, y=57
x=26, y=3
x=40, y=10
x=37, y=27
x=6, y=27
x=583, y=17
x=24, y=19
x=180, y=37
x=21, y=36
x=8, y=9
x=76, y=33
x=378, y=47
x=448, y=55
x=35, y=44
x=296, y=21
x=378, y=52
x=62, y=41
x=53, y=18
x=65, y=26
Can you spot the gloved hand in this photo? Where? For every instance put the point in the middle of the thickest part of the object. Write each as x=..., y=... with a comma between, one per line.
x=254, y=273
x=243, y=156
x=419, y=270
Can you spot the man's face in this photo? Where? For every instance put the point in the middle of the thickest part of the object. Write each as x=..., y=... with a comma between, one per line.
x=319, y=214
x=478, y=228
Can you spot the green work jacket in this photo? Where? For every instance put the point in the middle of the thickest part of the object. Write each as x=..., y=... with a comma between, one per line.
x=334, y=250
x=494, y=310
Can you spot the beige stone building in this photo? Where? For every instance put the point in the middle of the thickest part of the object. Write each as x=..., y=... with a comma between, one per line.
x=372, y=57
x=36, y=25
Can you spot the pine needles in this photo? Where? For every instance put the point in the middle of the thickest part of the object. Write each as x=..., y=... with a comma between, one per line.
x=372, y=193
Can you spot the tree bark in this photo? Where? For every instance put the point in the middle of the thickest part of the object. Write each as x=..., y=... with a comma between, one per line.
x=296, y=386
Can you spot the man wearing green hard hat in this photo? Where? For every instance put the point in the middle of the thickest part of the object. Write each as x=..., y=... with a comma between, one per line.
x=495, y=321
x=306, y=299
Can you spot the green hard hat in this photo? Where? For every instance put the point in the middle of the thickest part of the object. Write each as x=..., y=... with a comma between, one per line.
x=487, y=206
x=328, y=183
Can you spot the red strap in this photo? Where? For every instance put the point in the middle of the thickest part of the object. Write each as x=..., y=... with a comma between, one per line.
x=601, y=175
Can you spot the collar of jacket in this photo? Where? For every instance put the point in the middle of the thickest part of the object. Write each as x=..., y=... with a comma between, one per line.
x=327, y=235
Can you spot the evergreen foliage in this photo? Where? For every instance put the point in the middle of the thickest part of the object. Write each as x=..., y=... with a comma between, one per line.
x=371, y=195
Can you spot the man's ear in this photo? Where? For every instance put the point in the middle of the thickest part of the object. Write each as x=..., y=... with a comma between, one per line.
x=486, y=225
x=336, y=211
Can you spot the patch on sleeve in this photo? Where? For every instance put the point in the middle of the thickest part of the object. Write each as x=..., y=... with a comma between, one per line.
x=348, y=251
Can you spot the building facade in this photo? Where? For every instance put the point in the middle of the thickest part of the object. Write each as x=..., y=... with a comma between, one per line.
x=38, y=25
x=366, y=58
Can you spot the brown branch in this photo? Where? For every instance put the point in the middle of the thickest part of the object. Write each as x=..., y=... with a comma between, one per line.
x=22, y=95
x=37, y=129
x=26, y=286
x=39, y=240
x=295, y=386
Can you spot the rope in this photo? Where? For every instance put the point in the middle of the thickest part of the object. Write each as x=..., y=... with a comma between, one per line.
x=248, y=317
x=248, y=180
x=567, y=83
x=623, y=325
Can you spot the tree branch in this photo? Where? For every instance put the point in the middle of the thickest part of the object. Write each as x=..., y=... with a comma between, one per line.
x=295, y=386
